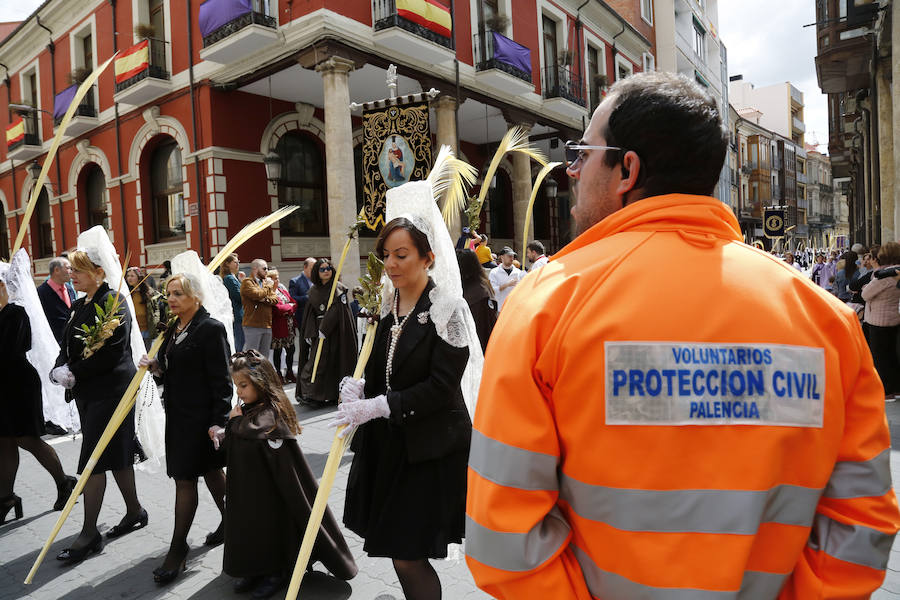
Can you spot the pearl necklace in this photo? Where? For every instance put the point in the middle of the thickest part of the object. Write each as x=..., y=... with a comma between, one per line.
x=396, y=330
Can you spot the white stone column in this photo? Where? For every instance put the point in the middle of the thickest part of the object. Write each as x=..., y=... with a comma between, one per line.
x=445, y=115
x=339, y=171
x=886, y=151
x=521, y=192
x=895, y=109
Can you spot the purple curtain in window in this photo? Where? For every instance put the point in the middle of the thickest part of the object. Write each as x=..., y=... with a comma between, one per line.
x=511, y=53
x=62, y=101
x=215, y=13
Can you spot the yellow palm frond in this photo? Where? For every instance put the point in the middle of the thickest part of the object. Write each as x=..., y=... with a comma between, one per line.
x=248, y=232
x=515, y=140
x=545, y=170
x=449, y=176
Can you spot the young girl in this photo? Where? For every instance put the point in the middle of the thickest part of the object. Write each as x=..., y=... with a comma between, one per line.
x=270, y=487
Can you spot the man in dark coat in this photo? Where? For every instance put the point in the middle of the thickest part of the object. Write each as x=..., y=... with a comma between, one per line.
x=57, y=295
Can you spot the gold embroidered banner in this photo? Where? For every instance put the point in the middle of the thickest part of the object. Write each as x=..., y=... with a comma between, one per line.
x=396, y=149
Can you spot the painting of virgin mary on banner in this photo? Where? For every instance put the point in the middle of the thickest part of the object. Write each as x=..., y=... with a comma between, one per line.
x=396, y=149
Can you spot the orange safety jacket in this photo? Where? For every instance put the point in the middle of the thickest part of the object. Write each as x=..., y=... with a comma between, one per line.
x=685, y=417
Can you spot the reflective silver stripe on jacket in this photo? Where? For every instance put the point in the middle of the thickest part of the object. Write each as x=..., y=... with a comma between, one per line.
x=511, y=466
x=517, y=551
x=756, y=585
x=851, y=543
x=863, y=479
x=695, y=511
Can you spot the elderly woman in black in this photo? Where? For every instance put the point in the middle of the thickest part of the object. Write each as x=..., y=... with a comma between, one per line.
x=193, y=368
x=97, y=372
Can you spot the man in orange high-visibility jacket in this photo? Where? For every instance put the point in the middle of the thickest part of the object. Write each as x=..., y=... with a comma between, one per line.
x=681, y=416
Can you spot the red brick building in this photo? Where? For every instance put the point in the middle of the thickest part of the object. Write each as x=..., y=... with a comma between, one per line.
x=169, y=156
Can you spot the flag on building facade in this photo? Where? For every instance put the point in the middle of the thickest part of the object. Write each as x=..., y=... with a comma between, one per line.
x=15, y=132
x=430, y=14
x=133, y=61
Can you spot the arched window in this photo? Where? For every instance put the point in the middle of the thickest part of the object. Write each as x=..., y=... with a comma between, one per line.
x=42, y=227
x=500, y=202
x=95, y=197
x=168, y=193
x=4, y=236
x=302, y=184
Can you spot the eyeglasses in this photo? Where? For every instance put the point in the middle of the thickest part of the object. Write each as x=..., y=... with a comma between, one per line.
x=575, y=151
x=324, y=269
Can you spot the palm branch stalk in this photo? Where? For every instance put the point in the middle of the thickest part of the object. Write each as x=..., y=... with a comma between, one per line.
x=545, y=170
x=370, y=301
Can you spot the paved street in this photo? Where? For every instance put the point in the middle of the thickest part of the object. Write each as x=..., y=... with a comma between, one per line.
x=124, y=568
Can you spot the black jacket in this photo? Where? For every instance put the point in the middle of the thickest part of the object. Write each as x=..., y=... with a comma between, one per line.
x=426, y=400
x=56, y=310
x=108, y=371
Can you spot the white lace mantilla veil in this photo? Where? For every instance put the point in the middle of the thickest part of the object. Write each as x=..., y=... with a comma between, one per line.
x=449, y=310
x=213, y=292
x=149, y=418
x=44, y=348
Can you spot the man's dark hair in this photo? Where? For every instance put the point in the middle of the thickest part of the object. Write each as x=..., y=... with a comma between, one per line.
x=536, y=245
x=675, y=128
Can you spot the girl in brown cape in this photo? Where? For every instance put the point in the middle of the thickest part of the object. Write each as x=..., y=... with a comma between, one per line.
x=270, y=487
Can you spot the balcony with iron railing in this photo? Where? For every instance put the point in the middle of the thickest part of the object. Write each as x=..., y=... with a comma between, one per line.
x=28, y=144
x=501, y=62
x=147, y=75
x=233, y=30
x=563, y=91
x=429, y=40
x=85, y=115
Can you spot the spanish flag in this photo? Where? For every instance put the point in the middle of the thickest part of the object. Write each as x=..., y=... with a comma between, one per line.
x=133, y=61
x=430, y=14
x=15, y=132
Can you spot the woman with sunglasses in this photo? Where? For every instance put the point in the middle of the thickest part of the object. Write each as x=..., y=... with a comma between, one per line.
x=334, y=329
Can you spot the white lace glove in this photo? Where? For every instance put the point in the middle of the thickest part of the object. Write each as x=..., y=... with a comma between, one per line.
x=63, y=376
x=353, y=414
x=216, y=434
x=351, y=389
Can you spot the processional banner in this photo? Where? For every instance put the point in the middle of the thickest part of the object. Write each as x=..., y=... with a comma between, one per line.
x=396, y=149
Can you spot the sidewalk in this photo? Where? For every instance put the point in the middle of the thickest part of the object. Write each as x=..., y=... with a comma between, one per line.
x=124, y=569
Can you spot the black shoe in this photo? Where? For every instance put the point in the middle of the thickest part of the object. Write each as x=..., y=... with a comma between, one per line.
x=216, y=537
x=127, y=525
x=54, y=429
x=13, y=503
x=76, y=555
x=244, y=584
x=167, y=576
x=63, y=492
x=267, y=587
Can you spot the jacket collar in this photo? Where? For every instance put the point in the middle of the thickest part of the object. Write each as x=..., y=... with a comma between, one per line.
x=698, y=216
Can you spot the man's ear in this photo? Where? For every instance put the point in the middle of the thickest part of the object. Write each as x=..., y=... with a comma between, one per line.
x=631, y=170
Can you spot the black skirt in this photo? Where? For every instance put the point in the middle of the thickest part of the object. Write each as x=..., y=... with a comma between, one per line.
x=403, y=510
x=21, y=403
x=122, y=450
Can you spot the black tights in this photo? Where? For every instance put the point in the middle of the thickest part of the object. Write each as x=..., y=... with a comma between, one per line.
x=186, y=501
x=9, y=460
x=418, y=579
x=276, y=359
x=94, y=490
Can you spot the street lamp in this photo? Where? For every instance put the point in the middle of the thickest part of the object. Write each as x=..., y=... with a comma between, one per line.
x=551, y=188
x=35, y=169
x=273, y=166
x=27, y=109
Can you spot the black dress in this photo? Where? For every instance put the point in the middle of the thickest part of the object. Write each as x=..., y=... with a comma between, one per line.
x=270, y=492
x=196, y=395
x=23, y=412
x=483, y=308
x=339, y=346
x=100, y=382
x=406, y=493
